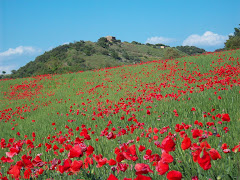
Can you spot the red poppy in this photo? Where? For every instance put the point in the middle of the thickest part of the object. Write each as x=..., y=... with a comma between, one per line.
x=14, y=171
x=120, y=157
x=225, y=117
x=76, y=165
x=148, y=112
x=174, y=175
x=166, y=158
x=75, y=152
x=8, y=160
x=162, y=168
x=204, y=160
x=27, y=173
x=195, y=178
x=112, y=177
x=142, y=168
x=141, y=177
x=195, y=133
x=90, y=150
x=141, y=148
x=55, y=147
x=236, y=148
x=214, y=154
x=186, y=143
x=132, y=149
x=112, y=162
x=122, y=167
x=101, y=162
x=168, y=144
x=193, y=109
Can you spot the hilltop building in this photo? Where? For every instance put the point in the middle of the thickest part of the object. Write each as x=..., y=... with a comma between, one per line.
x=111, y=38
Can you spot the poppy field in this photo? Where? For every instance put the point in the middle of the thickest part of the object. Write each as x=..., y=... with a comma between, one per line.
x=165, y=119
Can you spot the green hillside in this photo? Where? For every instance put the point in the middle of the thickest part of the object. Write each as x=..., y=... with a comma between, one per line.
x=87, y=55
x=154, y=120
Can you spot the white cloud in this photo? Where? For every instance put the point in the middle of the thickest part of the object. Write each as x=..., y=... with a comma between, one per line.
x=20, y=50
x=207, y=39
x=66, y=43
x=159, y=40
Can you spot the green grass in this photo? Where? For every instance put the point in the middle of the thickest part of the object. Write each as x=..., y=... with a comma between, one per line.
x=127, y=91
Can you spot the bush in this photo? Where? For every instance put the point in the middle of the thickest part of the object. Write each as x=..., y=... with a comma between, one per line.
x=171, y=53
x=190, y=50
x=103, y=42
x=114, y=54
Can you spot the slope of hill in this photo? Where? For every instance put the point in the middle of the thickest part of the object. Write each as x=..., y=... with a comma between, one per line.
x=87, y=55
x=166, y=119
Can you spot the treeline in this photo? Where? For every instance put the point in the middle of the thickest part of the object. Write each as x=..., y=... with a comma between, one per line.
x=191, y=50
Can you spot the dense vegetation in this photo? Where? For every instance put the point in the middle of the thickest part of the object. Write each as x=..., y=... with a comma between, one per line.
x=86, y=55
x=234, y=40
x=191, y=50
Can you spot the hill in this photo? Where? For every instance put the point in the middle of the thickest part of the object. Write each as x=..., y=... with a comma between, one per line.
x=165, y=119
x=87, y=55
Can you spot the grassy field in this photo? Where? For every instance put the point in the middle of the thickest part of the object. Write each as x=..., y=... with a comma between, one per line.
x=164, y=119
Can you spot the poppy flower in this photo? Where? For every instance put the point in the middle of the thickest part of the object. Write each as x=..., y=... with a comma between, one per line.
x=8, y=160
x=195, y=133
x=204, y=160
x=162, y=167
x=120, y=157
x=193, y=109
x=27, y=173
x=214, y=154
x=111, y=162
x=55, y=147
x=101, y=162
x=141, y=148
x=132, y=149
x=174, y=175
x=122, y=167
x=142, y=168
x=112, y=177
x=141, y=177
x=76, y=165
x=194, y=178
x=90, y=150
x=168, y=144
x=186, y=143
x=75, y=151
x=166, y=158
x=236, y=148
x=225, y=117
x=37, y=161
x=14, y=171
x=148, y=112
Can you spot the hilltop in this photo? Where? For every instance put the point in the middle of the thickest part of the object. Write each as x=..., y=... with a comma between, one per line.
x=87, y=55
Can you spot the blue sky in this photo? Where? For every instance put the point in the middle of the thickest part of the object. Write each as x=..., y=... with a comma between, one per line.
x=28, y=28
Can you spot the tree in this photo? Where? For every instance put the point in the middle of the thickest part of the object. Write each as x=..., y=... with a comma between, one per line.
x=135, y=42
x=191, y=50
x=103, y=42
x=13, y=71
x=234, y=40
x=3, y=72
